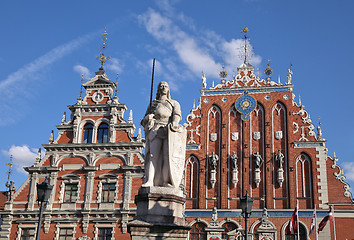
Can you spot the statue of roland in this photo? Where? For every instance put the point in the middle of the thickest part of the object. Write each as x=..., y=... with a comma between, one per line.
x=165, y=141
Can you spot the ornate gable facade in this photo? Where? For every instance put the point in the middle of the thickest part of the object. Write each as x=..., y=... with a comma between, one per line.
x=94, y=166
x=249, y=134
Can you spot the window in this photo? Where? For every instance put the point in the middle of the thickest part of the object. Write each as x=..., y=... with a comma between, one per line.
x=198, y=232
x=27, y=233
x=104, y=233
x=302, y=234
x=66, y=234
x=228, y=227
x=70, y=193
x=108, y=192
x=102, y=136
x=88, y=129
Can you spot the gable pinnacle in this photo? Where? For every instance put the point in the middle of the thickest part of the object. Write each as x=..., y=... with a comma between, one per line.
x=246, y=48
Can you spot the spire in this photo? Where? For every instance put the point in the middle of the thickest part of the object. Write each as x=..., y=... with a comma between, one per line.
x=63, y=119
x=38, y=158
x=102, y=58
x=130, y=120
x=193, y=104
x=319, y=130
x=82, y=82
x=51, y=138
x=139, y=137
x=116, y=90
x=245, y=50
x=10, y=184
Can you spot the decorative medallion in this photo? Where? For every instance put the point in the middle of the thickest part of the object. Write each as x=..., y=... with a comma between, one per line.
x=213, y=137
x=267, y=97
x=286, y=96
x=279, y=135
x=245, y=105
x=256, y=135
x=97, y=97
x=234, y=136
x=224, y=99
x=206, y=100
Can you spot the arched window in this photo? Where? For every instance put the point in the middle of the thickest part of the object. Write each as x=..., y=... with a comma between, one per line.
x=304, y=181
x=302, y=234
x=198, y=232
x=192, y=170
x=102, y=135
x=88, y=129
x=228, y=227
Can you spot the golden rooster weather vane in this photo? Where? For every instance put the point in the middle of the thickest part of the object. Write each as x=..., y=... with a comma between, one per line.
x=102, y=58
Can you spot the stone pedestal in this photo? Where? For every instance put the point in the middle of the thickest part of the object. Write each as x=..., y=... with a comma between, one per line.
x=160, y=215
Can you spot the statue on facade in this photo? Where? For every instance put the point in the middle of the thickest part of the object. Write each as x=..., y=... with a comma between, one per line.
x=213, y=159
x=289, y=75
x=257, y=160
x=280, y=159
x=204, y=81
x=234, y=159
x=165, y=140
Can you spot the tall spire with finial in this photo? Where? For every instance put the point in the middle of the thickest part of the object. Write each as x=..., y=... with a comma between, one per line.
x=116, y=90
x=9, y=184
x=82, y=82
x=245, y=50
x=319, y=130
x=223, y=74
x=102, y=58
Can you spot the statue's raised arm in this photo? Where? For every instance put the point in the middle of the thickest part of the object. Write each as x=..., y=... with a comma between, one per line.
x=165, y=140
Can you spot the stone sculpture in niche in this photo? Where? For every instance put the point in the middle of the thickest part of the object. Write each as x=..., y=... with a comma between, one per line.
x=280, y=159
x=258, y=161
x=165, y=141
x=234, y=167
x=213, y=160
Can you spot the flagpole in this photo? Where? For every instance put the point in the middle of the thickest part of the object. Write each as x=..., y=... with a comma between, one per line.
x=297, y=219
x=334, y=223
x=316, y=223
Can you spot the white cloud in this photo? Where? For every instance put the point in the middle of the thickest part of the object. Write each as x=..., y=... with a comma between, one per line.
x=18, y=86
x=197, y=51
x=23, y=156
x=114, y=65
x=43, y=61
x=82, y=70
x=349, y=170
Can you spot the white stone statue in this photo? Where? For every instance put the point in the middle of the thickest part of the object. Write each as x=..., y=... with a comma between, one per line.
x=213, y=159
x=165, y=141
x=257, y=160
x=289, y=76
x=204, y=81
x=280, y=159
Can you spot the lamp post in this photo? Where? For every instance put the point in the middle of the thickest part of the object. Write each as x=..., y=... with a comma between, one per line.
x=246, y=206
x=43, y=193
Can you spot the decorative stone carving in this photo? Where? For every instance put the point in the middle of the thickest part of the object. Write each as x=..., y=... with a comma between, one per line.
x=266, y=230
x=213, y=137
x=234, y=167
x=204, y=84
x=213, y=160
x=256, y=135
x=234, y=136
x=279, y=135
x=289, y=75
x=165, y=140
x=279, y=158
x=258, y=161
x=84, y=238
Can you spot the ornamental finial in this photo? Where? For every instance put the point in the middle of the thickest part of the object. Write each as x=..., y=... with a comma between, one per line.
x=245, y=50
x=102, y=58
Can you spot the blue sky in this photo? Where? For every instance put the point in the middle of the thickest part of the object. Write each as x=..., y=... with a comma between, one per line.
x=46, y=46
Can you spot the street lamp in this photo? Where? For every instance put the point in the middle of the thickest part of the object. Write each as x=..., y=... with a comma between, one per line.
x=43, y=193
x=246, y=206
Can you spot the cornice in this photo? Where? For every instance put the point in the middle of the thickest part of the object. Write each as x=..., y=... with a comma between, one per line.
x=93, y=146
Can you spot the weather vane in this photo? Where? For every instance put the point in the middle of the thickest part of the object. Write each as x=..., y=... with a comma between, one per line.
x=82, y=82
x=246, y=49
x=9, y=184
x=102, y=58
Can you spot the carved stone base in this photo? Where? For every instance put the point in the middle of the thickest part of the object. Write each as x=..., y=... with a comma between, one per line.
x=160, y=215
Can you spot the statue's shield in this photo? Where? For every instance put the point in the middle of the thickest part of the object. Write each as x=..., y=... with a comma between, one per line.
x=177, y=154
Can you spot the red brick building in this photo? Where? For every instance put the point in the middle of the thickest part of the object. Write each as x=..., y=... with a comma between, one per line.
x=246, y=133
x=244, y=120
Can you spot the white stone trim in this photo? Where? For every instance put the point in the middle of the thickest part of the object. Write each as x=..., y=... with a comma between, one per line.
x=107, y=178
x=22, y=226
x=322, y=176
x=62, y=225
x=102, y=225
x=69, y=179
x=192, y=160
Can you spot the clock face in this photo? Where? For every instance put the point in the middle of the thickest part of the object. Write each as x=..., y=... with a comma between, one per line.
x=245, y=104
